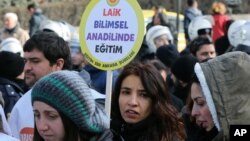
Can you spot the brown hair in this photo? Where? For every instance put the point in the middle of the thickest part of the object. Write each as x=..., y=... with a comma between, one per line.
x=72, y=132
x=168, y=125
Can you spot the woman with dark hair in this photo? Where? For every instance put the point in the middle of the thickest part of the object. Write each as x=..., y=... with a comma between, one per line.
x=141, y=107
x=219, y=98
x=65, y=110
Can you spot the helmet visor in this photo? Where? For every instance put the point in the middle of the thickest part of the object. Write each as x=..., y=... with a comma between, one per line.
x=205, y=31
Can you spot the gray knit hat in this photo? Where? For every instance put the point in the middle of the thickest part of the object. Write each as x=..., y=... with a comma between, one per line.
x=68, y=93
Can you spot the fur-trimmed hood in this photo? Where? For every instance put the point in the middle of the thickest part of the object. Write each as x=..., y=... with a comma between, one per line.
x=225, y=82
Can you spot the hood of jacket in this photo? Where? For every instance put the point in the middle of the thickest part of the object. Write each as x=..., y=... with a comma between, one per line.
x=225, y=84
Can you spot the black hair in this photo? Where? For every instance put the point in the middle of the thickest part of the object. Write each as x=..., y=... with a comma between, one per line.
x=32, y=5
x=72, y=132
x=190, y=2
x=51, y=45
x=196, y=44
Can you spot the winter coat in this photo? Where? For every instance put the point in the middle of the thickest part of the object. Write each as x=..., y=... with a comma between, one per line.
x=225, y=83
x=219, y=26
x=17, y=32
x=141, y=131
x=11, y=93
x=35, y=21
x=98, y=78
x=132, y=132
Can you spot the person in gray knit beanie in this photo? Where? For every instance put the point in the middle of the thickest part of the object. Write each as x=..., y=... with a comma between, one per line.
x=69, y=96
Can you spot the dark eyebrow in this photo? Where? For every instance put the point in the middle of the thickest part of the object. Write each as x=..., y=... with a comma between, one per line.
x=33, y=58
x=35, y=110
x=46, y=111
x=126, y=88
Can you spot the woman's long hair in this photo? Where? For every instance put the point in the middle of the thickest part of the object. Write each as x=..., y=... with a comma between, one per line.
x=168, y=125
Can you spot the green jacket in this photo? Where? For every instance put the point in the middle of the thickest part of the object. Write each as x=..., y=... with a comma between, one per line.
x=225, y=82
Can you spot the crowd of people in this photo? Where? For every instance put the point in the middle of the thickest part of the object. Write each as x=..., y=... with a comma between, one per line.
x=49, y=91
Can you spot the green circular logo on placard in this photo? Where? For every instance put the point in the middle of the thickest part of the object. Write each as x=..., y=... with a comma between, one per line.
x=111, y=32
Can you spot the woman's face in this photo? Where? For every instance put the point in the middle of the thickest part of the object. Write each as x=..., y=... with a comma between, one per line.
x=200, y=109
x=48, y=122
x=134, y=102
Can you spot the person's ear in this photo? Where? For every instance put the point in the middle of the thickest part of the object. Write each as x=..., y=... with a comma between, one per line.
x=59, y=64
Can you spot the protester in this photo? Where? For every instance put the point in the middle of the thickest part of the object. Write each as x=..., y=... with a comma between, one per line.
x=202, y=48
x=235, y=33
x=221, y=99
x=64, y=109
x=160, y=18
x=168, y=55
x=11, y=85
x=220, y=18
x=77, y=57
x=178, y=104
x=222, y=44
x=199, y=26
x=36, y=19
x=244, y=39
x=145, y=52
x=190, y=13
x=182, y=74
x=158, y=36
x=44, y=52
x=11, y=44
x=12, y=29
x=141, y=106
x=61, y=28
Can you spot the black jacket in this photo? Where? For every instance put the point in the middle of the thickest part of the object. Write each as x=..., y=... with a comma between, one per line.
x=133, y=132
x=108, y=135
x=11, y=92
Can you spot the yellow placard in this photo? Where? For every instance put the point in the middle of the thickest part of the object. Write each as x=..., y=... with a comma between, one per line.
x=111, y=32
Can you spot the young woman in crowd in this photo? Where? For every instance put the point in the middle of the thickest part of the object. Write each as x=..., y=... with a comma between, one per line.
x=221, y=99
x=65, y=110
x=141, y=107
